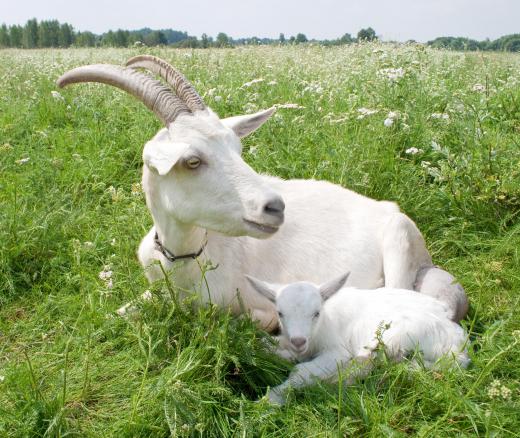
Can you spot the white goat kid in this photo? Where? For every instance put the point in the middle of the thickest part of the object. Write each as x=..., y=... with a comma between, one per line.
x=324, y=329
x=208, y=204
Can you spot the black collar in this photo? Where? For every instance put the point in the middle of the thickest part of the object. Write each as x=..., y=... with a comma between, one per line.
x=172, y=257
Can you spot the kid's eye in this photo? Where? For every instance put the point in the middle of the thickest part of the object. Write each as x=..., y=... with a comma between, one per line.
x=280, y=315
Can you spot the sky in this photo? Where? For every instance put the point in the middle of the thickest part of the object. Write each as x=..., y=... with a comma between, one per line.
x=401, y=20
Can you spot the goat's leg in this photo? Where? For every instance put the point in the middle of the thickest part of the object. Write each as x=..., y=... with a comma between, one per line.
x=323, y=367
x=408, y=265
x=404, y=252
x=441, y=285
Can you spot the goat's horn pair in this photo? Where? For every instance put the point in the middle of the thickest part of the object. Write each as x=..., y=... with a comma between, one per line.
x=176, y=79
x=154, y=94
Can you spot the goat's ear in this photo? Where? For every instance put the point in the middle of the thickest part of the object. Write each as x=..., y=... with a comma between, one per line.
x=162, y=155
x=331, y=287
x=245, y=125
x=262, y=287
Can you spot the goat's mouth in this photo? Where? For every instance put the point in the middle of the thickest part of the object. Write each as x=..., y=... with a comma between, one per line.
x=266, y=229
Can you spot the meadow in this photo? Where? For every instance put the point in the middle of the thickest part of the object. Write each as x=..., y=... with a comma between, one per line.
x=436, y=131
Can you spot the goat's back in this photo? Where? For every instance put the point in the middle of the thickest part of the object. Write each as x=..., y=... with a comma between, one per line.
x=405, y=321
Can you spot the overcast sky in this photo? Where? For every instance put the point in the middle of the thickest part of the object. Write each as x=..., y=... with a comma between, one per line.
x=421, y=20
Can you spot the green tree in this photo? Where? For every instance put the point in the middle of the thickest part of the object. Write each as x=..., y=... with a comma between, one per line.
x=5, y=40
x=513, y=45
x=222, y=40
x=367, y=34
x=66, y=35
x=204, y=41
x=301, y=38
x=85, y=39
x=155, y=38
x=346, y=39
x=121, y=38
x=281, y=38
x=49, y=33
x=30, y=34
x=16, y=35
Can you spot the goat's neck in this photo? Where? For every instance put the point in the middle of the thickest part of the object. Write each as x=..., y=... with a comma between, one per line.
x=177, y=237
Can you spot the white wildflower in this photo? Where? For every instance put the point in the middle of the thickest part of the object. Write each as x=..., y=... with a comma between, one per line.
x=392, y=73
x=217, y=98
x=2, y=378
x=57, y=96
x=211, y=92
x=313, y=87
x=479, y=88
x=436, y=146
x=113, y=242
x=440, y=116
x=388, y=122
x=22, y=160
x=253, y=150
x=505, y=392
x=272, y=83
x=88, y=245
x=288, y=106
x=254, y=81
x=110, y=284
x=106, y=273
x=136, y=189
x=364, y=112
x=413, y=151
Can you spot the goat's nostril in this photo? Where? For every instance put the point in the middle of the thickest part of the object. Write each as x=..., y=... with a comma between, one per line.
x=275, y=207
x=298, y=342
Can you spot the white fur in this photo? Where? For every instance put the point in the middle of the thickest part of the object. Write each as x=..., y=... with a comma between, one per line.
x=345, y=329
x=327, y=228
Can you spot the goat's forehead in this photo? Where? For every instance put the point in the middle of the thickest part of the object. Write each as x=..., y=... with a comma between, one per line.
x=201, y=128
x=299, y=296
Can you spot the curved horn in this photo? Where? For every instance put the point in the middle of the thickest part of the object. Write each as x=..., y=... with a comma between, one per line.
x=176, y=79
x=154, y=94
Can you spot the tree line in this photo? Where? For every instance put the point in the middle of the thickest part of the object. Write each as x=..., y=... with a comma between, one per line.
x=52, y=33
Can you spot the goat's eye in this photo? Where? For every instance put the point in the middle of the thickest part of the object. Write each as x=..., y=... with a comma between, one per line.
x=280, y=315
x=316, y=314
x=193, y=162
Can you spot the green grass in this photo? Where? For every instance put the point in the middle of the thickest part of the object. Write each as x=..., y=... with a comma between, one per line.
x=70, y=367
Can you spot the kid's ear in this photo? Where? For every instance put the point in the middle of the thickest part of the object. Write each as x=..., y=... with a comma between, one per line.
x=245, y=125
x=266, y=289
x=331, y=287
x=162, y=155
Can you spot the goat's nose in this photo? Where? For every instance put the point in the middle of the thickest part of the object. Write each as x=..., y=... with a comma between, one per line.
x=298, y=342
x=275, y=207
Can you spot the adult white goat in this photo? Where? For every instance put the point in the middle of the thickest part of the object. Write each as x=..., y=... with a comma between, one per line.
x=207, y=203
x=324, y=329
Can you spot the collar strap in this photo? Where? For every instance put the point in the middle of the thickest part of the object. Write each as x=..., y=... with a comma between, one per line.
x=172, y=257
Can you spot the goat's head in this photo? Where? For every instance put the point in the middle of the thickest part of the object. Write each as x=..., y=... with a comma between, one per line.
x=299, y=305
x=193, y=170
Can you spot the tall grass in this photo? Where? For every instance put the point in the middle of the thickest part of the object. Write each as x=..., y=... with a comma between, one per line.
x=71, y=207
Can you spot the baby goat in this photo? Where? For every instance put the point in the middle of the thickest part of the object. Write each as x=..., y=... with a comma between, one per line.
x=326, y=331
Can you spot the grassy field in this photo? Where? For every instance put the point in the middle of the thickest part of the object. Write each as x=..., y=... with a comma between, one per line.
x=437, y=132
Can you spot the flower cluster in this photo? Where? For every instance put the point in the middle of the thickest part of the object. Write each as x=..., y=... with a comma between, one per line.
x=497, y=390
x=106, y=276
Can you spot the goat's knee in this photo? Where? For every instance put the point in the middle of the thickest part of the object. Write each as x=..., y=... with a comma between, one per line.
x=439, y=284
x=404, y=252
